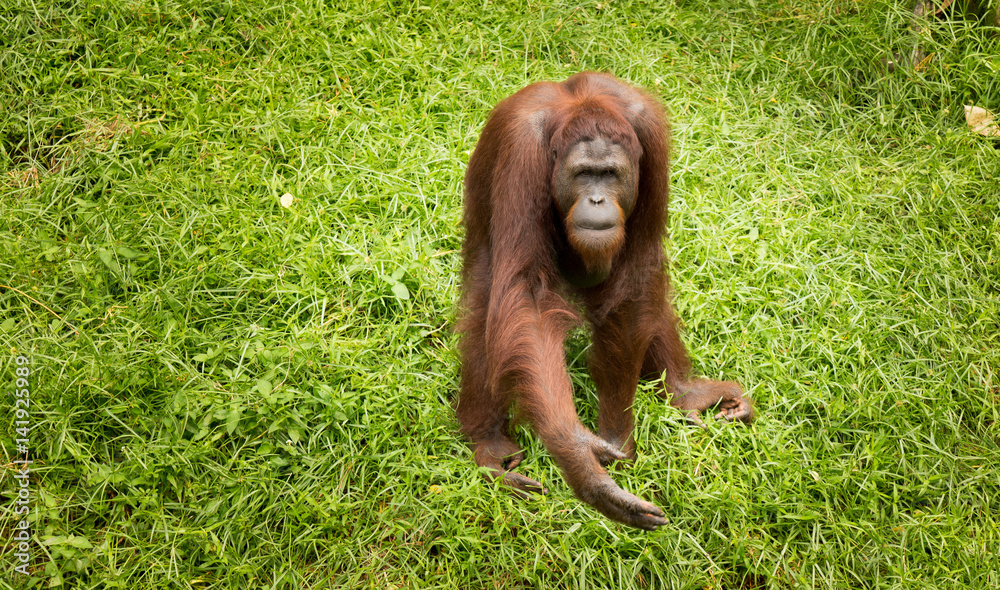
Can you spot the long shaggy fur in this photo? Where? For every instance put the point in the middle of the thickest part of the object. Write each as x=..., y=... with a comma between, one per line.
x=516, y=309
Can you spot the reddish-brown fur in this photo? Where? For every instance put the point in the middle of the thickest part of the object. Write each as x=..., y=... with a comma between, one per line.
x=517, y=306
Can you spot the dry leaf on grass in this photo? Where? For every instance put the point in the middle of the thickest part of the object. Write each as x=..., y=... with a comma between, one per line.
x=981, y=121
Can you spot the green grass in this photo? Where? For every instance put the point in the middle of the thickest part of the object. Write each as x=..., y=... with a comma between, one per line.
x=231, y=394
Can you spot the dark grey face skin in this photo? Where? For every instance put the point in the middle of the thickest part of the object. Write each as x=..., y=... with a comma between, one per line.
x=595, y=187
x=595, y=190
